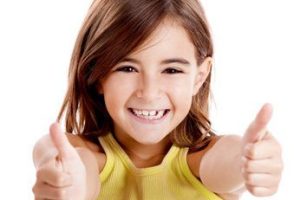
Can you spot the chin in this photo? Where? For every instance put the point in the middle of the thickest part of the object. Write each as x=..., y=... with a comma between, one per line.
x=149, y=139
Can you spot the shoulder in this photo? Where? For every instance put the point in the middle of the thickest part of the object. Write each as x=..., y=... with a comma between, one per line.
x=80, y=142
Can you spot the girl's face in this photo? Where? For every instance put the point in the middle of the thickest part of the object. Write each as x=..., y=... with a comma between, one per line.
x=150, y=92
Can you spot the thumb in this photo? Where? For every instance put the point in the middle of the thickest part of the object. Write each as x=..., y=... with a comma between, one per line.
x=257, y=129
x=66, y=151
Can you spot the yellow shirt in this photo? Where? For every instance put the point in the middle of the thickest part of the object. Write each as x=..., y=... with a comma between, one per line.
x=171, y=180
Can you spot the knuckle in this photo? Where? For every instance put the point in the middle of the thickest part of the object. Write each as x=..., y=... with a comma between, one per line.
x=60, y=193
x=277, y=180
x=39, y=174
x=277, y=148
x=274, y=189
x=58, y=180
x=251, y=189
x=34, y=189
x=248, y=166
x=251, y=151
x=250, y=179
x=279, y=168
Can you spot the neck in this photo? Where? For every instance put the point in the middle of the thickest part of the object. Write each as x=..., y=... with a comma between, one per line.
x=143, y=155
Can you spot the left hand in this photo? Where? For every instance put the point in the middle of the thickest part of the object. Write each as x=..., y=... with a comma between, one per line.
x=261, y=156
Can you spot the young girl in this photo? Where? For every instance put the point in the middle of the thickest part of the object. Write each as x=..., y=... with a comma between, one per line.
x=137, y=119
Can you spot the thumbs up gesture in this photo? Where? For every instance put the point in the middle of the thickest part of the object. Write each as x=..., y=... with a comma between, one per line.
x=62, y=174
x=261, y=156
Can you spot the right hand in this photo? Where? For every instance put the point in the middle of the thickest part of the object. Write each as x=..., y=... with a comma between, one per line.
x=62, y=175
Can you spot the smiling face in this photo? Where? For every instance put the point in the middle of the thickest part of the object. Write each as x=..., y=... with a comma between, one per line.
x=150, y=91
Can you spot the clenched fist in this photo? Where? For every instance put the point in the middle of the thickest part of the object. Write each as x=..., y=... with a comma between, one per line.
x=60, y=173
x=261, y=156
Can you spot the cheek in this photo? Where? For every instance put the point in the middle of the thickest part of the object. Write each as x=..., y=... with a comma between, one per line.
x=181, y=94
x=117, y=90
x=182, y=87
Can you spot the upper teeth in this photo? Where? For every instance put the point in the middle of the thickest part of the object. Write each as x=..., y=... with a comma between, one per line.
x=150, y=114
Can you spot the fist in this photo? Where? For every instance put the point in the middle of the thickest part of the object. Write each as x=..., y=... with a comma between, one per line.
x=261, y=156
x=62, y=174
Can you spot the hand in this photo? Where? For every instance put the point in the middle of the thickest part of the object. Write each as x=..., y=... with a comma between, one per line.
x=62, y=175
x=261, y=156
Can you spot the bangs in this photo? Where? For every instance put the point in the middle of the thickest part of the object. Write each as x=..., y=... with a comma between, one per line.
x=129, y=28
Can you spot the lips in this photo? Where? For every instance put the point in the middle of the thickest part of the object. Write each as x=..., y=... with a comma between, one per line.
x=149, y=114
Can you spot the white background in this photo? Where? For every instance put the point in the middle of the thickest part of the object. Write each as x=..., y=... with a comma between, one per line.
x=257, y=49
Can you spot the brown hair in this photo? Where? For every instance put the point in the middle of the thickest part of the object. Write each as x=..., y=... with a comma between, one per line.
x=112, y=30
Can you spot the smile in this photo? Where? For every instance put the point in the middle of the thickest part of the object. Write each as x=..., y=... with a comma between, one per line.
x=149, y=114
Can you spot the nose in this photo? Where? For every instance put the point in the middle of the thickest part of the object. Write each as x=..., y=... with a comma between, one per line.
x=149, y=88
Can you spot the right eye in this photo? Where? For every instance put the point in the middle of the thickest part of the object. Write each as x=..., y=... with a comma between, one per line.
x=127, y=69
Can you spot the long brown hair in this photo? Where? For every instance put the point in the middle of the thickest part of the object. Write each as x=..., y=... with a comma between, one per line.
x=113, y=29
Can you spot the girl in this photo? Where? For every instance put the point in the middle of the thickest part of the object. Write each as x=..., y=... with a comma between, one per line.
x=137, y=107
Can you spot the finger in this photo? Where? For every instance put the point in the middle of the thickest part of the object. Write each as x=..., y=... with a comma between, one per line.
x=54, y=177
x=263, y=149
x=257, y=128
x=261, y=180
x=261, y=191
x=67, y=154
x=45, y=191
x=66, y=151
x=59, y=140
x=269, y=166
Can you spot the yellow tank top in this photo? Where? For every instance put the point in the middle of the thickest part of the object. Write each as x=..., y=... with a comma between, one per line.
x=171, y=180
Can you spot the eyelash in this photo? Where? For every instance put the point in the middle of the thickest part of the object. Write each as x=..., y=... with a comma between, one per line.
x=129, y=69
x=172, y=71
x=126, y=69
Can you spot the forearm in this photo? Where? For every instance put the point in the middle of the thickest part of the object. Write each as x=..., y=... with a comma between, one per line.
x=92, y=173
x=220, y=169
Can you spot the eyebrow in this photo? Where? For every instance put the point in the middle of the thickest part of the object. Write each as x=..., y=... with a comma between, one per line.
x=176, y=60
x=163, y=62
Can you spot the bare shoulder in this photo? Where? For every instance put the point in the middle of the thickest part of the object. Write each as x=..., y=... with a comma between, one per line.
x=97, y=150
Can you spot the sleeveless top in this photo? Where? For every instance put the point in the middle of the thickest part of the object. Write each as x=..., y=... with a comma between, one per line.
x=170, y=180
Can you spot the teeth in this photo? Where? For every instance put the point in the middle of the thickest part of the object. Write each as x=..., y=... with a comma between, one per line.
x=146, y=113
x=160, y=113
x=150, y=115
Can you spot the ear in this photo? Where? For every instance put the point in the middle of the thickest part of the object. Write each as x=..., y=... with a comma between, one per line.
x=203, y=71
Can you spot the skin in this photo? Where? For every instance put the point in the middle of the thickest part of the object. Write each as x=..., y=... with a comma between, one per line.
x=145, y=81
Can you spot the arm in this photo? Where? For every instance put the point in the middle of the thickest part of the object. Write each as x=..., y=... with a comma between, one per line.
x=251, y=162
x=69, y=172
x=92, y=172
x=220, y=166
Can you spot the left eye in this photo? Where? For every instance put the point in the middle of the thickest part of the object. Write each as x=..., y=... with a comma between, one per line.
x=172, y=71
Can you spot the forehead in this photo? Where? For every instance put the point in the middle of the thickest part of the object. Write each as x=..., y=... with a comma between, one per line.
x=169, y=39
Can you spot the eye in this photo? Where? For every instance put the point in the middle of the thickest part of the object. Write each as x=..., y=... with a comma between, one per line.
x=127, y=69
x=172, y=71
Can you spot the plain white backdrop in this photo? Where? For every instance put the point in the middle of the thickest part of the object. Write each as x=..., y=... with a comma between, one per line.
x=257, y=49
